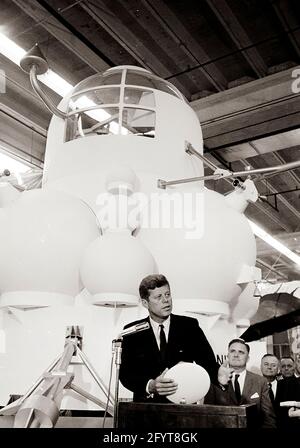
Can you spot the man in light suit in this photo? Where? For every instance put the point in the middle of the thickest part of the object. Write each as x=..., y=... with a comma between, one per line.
x=170, y=338
x=245, y=387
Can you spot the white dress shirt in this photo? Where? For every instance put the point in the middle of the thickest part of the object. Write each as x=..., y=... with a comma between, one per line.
x=156, y=329
x=274, y=387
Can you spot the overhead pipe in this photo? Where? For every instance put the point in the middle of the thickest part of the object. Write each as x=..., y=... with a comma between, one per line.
x=35, y=63
x=225, y=174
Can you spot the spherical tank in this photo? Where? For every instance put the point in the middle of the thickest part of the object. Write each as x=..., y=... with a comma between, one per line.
x=42, y=238
x=204, y=264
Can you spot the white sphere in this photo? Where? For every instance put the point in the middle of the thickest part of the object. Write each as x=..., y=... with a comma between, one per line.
x=120, y=178
x=42, y=238
x=193, y=382
x=113, y=267
x=207, y=268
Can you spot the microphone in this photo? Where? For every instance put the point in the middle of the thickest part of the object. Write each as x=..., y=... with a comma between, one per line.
x=134, y=329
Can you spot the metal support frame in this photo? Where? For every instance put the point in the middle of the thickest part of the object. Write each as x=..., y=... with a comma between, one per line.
x=39, y=407
x=116, y=353
x=222, y=174
x=264, y=197
x=42, y=95
x=35, y=63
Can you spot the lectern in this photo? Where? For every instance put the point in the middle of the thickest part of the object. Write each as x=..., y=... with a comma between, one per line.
x=147, y=416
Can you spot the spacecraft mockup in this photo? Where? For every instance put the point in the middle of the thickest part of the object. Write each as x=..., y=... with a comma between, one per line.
x=74, y=252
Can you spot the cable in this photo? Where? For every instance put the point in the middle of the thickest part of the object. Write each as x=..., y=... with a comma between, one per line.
x=108, y=393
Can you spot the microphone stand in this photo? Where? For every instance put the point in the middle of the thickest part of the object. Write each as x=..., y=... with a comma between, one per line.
x=117, y=352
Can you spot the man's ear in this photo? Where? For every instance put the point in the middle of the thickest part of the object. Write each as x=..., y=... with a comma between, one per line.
x=145, y=303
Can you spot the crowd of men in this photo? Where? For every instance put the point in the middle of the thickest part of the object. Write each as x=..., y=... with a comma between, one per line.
x=283, y=378
x=274, y=391
x=170, y=339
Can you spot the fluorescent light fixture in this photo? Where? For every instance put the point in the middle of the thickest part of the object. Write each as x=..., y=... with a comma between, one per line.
x=265, y=236
x=55, y=82
x=11, y=50
x=9, y=163
x=13, y=165
x=51, y=79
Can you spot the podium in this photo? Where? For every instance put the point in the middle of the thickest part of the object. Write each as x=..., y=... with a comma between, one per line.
x=147, y=416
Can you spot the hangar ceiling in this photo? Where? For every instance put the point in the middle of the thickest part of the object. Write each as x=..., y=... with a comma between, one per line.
x=234, y=60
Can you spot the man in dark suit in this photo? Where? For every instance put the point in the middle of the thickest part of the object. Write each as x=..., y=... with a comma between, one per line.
x=245, y=387
x=287, y=367
x=269, y=367
x=170, y=338
x=288, y=391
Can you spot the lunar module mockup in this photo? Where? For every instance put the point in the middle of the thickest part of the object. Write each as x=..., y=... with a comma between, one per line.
x=122, y=197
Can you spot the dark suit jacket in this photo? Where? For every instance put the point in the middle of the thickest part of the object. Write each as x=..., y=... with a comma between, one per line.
x=141, y=360
x=255, y=391
x=288, y=389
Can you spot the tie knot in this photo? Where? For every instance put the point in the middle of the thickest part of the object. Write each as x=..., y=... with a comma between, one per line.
x=270, y=385
x=162, y=326
x=237, y=375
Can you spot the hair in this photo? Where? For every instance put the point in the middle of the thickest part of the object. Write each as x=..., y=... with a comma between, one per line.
x=287, y=357
x=151, y=282
x=241, y=341
x=269, y=354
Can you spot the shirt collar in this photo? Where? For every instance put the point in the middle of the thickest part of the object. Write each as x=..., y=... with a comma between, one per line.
x=241, y=374
x=155, y=325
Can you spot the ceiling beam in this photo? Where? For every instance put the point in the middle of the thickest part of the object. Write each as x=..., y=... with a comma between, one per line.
x=292, y=174
x=18, y=138
x=20, y=96
x=128, y=39
x=280, y=274
x=60, y=31
x=256, y=110
x=175, y=28
x=282, y=10
x=272, y=189
x=290, y=240
x=238, y=35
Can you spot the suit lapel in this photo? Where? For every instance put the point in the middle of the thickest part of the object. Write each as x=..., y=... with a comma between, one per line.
x=247, y=388
x=172, y=331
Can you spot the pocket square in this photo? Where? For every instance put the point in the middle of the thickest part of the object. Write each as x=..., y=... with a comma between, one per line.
x=254, y=395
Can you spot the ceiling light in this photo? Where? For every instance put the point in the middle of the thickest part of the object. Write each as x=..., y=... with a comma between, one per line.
x=55, y=82
x=265, y=236
x=11, y=50
x=7, y=162
x=51, y=79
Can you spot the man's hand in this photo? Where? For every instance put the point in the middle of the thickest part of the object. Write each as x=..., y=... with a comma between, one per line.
x=225, y=374
x=294, y=412
x=162, y=385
